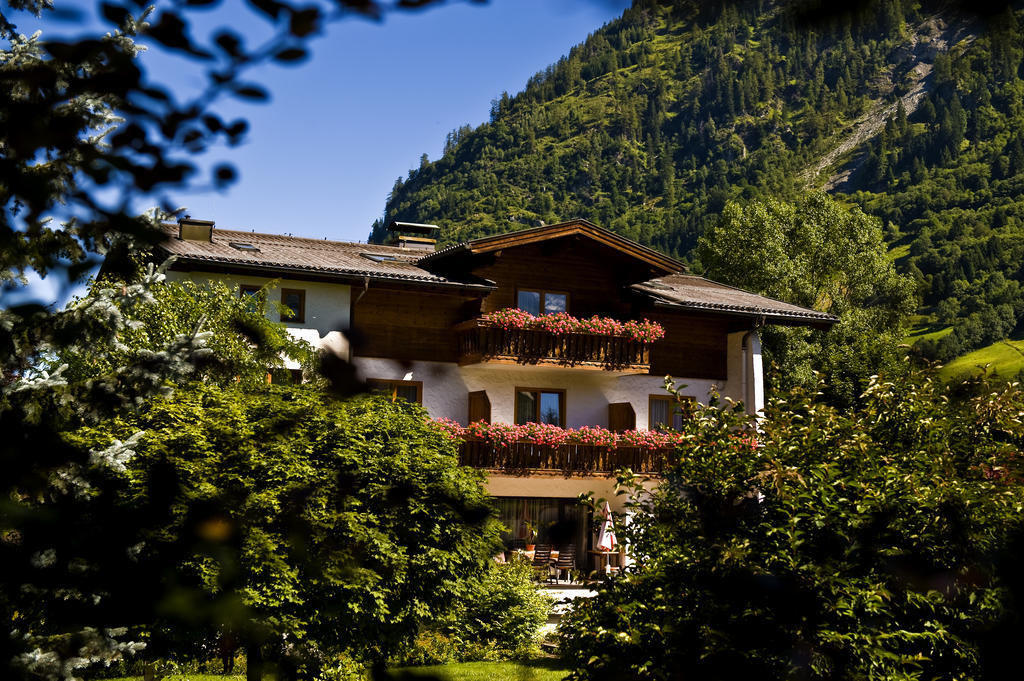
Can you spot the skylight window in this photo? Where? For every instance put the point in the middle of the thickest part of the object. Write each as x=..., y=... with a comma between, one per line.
x=242, y=246
x=379, y=257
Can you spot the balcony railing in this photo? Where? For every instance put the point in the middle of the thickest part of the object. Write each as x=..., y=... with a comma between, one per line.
x=483, y=343
x=522, y=457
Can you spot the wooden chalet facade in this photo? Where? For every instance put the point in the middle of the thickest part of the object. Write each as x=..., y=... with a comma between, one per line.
x=414, y=321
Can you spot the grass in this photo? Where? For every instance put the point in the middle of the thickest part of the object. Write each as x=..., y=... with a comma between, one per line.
x=534, y=670
x=1006, y=358
x=899, y=252
x=924, y=327
x=188, y=677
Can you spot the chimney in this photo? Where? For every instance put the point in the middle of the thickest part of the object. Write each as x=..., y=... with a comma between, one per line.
x=413, y=236
x=195, y=230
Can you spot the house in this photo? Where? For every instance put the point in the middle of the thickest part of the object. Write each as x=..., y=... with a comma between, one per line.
x=422, y=324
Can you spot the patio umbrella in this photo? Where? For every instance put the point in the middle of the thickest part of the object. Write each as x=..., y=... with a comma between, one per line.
x=606, y=537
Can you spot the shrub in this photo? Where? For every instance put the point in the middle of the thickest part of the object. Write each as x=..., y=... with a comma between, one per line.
x=498, y=617
x=329, y=527
x=881, y=543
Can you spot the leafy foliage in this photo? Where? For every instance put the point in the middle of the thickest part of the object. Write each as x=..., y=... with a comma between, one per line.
x=497, y=617
x=308, y=527
x=86, y=136
x=879, y=542
x=821, y=255
x=242, y=343
x=86, y=133
x=660, y=118
x=949, y=175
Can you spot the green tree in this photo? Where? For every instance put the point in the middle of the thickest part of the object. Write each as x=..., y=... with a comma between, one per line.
x=820, y=254
x=85, y=136
x=242, y=344
x=309, y=527
x=877, y=542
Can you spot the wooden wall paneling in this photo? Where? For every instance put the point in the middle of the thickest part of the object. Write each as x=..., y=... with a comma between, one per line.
x=406, y=324
x=596, y=277
x=693, y=347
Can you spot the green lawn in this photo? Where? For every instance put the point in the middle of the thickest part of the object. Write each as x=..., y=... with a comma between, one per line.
x=535, y=670
x=188, y=677
x=1006, y=358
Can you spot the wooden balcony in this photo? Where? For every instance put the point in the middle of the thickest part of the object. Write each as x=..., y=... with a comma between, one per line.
x=523, y=457
x=481, y=343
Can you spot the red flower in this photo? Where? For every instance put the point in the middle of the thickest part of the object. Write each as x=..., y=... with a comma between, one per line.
x=561, y=323
x=505, y=435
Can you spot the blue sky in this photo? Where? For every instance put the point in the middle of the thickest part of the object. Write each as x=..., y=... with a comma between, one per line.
x=323, y=154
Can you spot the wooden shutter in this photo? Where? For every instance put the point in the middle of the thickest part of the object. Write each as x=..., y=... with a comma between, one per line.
x=621, y=417
x=479, y=407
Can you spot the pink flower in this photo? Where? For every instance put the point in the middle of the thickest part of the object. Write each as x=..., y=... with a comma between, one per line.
x=505, y=435
x=451, y=429
x=561, y=323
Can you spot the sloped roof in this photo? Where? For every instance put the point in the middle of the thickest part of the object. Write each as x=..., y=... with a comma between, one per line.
x=280, y=255
x=289, y=254
x=577, y=226
x=697, y=293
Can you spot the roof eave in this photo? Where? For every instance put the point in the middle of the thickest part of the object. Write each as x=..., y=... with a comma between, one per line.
x=822, y=322
x=261, y=269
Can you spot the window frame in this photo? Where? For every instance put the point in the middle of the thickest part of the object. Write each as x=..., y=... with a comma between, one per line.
x=250, y=294
x=393, y=384
x=300, y=315
x=542, y=293
x=561, y=403
x=651, y=399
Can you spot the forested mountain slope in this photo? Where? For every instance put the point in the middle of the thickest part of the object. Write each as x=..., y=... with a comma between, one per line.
x=912, y=110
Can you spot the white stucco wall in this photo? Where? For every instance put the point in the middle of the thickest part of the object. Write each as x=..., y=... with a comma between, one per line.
x=746, y=375
x=558, y=486
x=588, y=393
x=328, y=306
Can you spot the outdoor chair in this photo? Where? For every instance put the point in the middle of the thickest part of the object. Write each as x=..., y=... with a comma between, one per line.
x=566, y=562
x=542, y=560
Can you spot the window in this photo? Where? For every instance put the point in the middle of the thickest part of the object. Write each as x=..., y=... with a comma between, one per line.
x=379, y=257
x=295, y=300
x=664, y=414
x=542, y=302
x=242, y=246
x=410, y=391
x=540, y=405
x=252, y=295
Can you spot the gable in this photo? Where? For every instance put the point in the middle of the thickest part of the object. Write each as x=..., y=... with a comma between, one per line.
x=596, y=278
x=657, y=264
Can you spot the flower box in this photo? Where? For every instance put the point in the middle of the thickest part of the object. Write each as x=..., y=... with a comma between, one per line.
x=515, y=336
